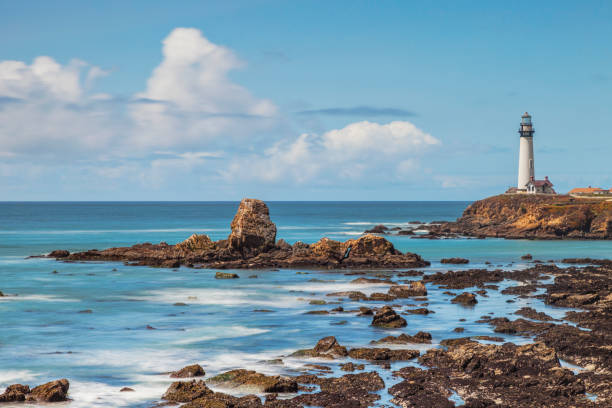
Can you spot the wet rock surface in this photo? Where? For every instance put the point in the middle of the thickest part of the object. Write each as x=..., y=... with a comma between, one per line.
x=53, y=391
x=194, y=370
x=251, y=245
x=387, y=318
x=254, y=381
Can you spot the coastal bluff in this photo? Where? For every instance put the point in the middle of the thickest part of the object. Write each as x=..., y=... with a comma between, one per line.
x=252, y=244
x=527, y=216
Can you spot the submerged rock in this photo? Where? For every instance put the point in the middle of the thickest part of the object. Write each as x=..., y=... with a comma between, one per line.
x=455, y=261
x=382, y=354
x=387, y=318
x=226, y=275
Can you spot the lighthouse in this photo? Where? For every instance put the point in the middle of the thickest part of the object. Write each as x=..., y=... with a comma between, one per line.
x=526, y=171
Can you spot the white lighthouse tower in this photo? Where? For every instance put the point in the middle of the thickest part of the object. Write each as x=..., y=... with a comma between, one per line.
x=526, y=171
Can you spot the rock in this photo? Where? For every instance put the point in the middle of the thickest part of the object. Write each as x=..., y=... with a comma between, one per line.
x=387, y=318
x=54, y=391
x=455, y=261
x=226, y=275
x=252, y=230
x=1, y=294
x=348, y=391
x=251, y=380
x=419, y=311
x=196, y=242
x=194, y=370
x=527, y=257
x=466, y=299
x=327, y=347
x=126, y=389
x=86, y=311
x=415, y=288
x=15, y=393
x=541, y=216
x=420, y=337
x=351, y=367
x=533, y=314
x=59, y=253
x=186, y=391
x=382, y=354
x=405, y=232
x=221, y=400
x=378, y=229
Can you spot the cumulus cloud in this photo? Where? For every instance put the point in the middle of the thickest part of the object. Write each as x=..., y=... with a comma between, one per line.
x=196, y=100
x=348, y=153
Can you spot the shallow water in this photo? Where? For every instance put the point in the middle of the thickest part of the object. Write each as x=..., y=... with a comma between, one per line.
x=88, y=321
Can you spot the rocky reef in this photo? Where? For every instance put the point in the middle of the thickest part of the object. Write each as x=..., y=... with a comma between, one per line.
x=252, y=244
x=518, y=216
x=54, y=391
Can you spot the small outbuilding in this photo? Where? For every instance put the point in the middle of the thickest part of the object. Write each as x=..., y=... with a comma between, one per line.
x=540, y=186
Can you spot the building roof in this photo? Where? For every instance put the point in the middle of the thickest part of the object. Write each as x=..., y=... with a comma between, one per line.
x=586, y=190
x=541, y=183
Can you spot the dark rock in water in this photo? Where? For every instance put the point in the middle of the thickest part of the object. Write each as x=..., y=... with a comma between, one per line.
x=54, y=391
x=533, y=314
x=186, y=391
x=126, y=389
x=454, y=261
x=327, y=347
x=226, y=275
x=387, y=318
x=527, y=257
x=15, y=393
x=351, y=367
x=382, y=354
x=179, y=304
x=420, y=337
x=252, y=230
x=378, y=229
x=521, y=376
x=1, y=294
x=348, y=391
x=466, y=299
x=405, y=232
x=352, y=294
x=465, y=279
x=415, y=288
x=59, y=253
x=86, y=311
x=194, y=370
x=419, y=311
x=421, y=388
x=253, y=380
x=458, y=329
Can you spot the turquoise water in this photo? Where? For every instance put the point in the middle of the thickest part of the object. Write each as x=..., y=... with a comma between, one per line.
x=88, y=321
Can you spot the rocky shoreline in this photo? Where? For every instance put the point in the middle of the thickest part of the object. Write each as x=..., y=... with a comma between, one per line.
x=520, y=216
x=481, y=374
x=481, y=370
x=252, y=244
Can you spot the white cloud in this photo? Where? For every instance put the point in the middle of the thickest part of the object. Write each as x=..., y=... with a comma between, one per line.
x=357, y=150
x=192, y=100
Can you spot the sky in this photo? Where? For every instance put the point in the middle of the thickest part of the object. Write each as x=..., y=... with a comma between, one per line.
x=300, y=100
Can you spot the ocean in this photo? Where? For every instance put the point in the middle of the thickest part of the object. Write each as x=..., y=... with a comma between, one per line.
x=105, y=326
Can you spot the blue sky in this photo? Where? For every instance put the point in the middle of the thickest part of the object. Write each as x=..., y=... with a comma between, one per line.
x=393, y=100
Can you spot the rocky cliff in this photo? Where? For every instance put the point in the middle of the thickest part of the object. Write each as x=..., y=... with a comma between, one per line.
x=252, y=244
x=534, y=216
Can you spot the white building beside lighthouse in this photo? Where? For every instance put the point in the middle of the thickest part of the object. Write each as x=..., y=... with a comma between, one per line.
x=527, y=184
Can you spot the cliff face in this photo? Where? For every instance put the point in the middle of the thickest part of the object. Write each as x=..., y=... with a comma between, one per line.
x=535, y=216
